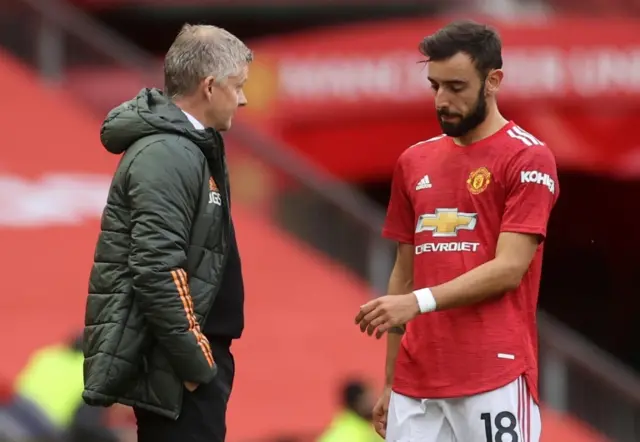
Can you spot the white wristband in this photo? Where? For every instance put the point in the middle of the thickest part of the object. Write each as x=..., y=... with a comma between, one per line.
x=426, y=301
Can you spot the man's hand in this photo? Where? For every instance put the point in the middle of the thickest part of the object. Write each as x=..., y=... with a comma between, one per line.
x=191, y=386
x=386, y=312
x=380, y=411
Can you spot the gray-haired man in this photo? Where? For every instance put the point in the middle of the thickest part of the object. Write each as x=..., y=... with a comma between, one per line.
x=166, y=292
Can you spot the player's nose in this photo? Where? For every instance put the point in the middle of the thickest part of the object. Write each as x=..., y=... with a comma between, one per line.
x=442, y=100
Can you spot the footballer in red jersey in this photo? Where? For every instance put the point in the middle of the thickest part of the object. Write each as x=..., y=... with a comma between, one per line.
x=469, y=211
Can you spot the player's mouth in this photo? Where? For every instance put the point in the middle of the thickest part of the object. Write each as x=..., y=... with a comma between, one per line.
x=449, y=118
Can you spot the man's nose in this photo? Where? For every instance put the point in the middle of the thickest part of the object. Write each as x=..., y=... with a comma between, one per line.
x=242, y=99
x=442, y=99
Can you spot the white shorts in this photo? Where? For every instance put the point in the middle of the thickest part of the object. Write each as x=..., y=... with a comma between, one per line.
x=507, y=414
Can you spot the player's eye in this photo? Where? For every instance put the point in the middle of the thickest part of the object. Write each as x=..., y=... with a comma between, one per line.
x=434, y=86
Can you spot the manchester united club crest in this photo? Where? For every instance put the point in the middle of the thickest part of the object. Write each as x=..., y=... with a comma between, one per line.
x=479, y=180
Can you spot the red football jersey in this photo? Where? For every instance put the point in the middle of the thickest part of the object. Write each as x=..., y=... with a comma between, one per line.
x=451, y=203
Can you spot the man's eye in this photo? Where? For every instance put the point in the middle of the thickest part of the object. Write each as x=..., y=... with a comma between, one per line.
x=434, y=87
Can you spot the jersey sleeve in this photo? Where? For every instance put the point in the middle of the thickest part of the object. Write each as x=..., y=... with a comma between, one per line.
x=400, y=220
x=532, y=190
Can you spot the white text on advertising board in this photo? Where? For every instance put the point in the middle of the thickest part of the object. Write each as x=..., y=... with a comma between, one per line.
x=56, y=199
x=546, y=71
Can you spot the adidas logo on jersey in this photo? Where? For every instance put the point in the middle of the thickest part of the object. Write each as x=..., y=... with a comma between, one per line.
x=424, y=183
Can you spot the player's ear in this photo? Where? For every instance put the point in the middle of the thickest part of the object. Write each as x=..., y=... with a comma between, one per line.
x=494, y=79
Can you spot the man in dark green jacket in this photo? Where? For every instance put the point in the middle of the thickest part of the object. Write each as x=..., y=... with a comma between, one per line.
x=166, y=292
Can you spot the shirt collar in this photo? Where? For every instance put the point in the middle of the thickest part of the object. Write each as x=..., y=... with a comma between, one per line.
x=198, y=125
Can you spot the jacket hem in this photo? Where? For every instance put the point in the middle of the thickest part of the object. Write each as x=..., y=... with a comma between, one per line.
x=94, y=398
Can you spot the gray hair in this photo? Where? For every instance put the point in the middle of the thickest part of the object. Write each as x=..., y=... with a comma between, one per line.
x=198, y=52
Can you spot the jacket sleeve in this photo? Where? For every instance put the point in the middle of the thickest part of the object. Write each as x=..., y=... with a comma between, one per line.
x=163, y=185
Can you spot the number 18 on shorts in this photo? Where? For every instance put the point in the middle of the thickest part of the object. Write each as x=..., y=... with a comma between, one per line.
x=507, y=414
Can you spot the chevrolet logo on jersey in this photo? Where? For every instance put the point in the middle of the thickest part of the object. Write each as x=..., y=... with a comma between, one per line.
x=446, y=222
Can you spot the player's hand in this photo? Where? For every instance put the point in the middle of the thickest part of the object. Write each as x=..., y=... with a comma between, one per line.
x=191, y=386
x=385, y=312
x=380, y=411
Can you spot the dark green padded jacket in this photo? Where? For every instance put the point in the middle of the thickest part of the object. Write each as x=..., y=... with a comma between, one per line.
x=159, y=259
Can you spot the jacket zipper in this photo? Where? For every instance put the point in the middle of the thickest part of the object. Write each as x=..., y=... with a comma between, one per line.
x=227, y=207
x=224, y=259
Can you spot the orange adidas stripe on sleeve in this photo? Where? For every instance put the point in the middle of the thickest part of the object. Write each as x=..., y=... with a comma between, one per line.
x=180, y=280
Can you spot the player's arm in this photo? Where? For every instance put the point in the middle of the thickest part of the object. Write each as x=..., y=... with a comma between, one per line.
x=163, y=189
x=502, y=274
x=530, y=198
x=532, y=189
x=399, y=226
x=400, y=282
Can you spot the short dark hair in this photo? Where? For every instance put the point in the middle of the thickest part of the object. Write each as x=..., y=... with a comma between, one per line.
x=352, y=391
x=480, y=42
